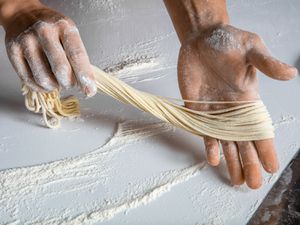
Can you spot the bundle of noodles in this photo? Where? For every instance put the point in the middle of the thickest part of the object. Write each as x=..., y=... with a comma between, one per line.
x=248, y=121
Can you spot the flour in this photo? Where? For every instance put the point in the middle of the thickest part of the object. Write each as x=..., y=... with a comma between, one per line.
x=170, y=178
x=105, y=4
x=26, y=192
x=216, y=210
x=222, y=40
x=285, y=120
x=135, y=69
x=110, y=21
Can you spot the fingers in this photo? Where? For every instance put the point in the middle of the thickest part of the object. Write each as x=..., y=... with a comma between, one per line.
x=38, y=63
x=243, y=159
x=212, y=151
x=21, y=66
x=233, y=162
x=51, y=55
x=251, y=164
x=259, y=56
x=79, y=60
x=57, y=58
x=267, y=155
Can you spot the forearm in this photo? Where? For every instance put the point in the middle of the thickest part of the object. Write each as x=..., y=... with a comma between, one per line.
x=192, y=16
x=10, y=8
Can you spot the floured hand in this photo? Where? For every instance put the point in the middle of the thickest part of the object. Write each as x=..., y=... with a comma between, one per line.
x=45, y=48
x=219, y=64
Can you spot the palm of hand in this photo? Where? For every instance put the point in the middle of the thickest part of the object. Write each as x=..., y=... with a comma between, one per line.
x=220, y=65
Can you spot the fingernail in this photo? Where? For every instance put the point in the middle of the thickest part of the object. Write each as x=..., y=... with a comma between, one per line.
x=92, y=90
x=89, y=86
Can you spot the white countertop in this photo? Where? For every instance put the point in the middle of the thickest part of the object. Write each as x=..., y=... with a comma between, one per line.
x=159, y=177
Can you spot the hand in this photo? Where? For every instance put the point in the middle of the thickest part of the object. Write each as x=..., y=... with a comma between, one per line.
x=45, y=49
x=219, y=64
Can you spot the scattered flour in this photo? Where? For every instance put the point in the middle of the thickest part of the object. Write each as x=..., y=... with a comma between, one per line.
x=27, y=193
x=136, y=69
x=42, y=186
x=222, y=40
x=285, y=120
x=217, y=208
x=104, y=4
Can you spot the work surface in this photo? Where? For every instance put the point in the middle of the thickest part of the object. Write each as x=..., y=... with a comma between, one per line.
x=121, y=166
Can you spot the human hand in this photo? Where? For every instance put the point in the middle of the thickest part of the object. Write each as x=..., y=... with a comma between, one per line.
x=219, y=64
x=45, y=48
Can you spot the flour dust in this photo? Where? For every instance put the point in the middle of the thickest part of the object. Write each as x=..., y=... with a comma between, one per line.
x=29, y=195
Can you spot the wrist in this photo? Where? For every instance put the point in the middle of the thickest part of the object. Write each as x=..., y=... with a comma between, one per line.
x=10, y=9
x=193, y=16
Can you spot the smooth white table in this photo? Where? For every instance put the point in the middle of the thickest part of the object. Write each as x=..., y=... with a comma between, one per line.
x=139, y=34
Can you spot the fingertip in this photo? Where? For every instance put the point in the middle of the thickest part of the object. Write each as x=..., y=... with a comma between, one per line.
x=253, y=176
x=233, y=163
x=236, y=173
x=290, y=73
x=271, y=167
x=213, y=154
x=91, y=91
x=237, y=181
x=212, y=151
x=213, y=160
x=255, y=185
x=267, y=155
x=294, y=72
x=88, y=85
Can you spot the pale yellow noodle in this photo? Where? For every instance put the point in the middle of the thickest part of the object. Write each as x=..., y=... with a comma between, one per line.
x=248, y=121
x=52, y=107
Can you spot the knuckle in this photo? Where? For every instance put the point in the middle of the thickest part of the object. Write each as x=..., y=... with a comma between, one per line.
x=27, y=40
x=71, y=29
x=71, y=33
x=67, y=26
x=77, y=54
x=66, y=22
x=42, y=26
x=44, y=31
x=256, y=39
x=13, y=49
x=11, y=45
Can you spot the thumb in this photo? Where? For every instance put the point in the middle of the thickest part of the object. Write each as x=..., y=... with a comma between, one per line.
x=260, y=57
